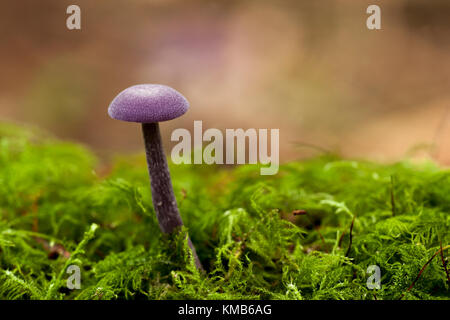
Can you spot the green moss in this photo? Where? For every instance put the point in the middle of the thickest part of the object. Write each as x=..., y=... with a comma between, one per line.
x=252, y=246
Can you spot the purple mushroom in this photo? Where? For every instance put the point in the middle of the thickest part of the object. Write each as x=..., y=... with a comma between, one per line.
x=149, y=104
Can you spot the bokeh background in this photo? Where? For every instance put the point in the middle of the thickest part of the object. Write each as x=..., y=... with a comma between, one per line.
x=310, y=68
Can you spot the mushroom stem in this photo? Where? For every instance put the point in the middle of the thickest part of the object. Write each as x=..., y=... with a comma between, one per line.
x=163, y=196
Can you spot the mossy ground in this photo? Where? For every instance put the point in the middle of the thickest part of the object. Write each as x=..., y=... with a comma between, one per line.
x=242, y=224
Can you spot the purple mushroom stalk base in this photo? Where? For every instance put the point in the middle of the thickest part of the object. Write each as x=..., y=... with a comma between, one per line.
x=164, y=201
x=150, y=104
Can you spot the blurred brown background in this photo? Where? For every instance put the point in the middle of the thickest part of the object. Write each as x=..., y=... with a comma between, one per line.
x=310, y=68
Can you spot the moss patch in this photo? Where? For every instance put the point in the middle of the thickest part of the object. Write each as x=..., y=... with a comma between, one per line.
x=250, y=231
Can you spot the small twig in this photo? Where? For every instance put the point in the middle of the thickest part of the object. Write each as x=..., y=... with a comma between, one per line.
x=299, y=212
x=351, y=237
x=423, y=269
x=444, y=263
x=341, y=238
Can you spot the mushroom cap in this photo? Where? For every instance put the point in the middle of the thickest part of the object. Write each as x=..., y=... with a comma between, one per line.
x=147, y=103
